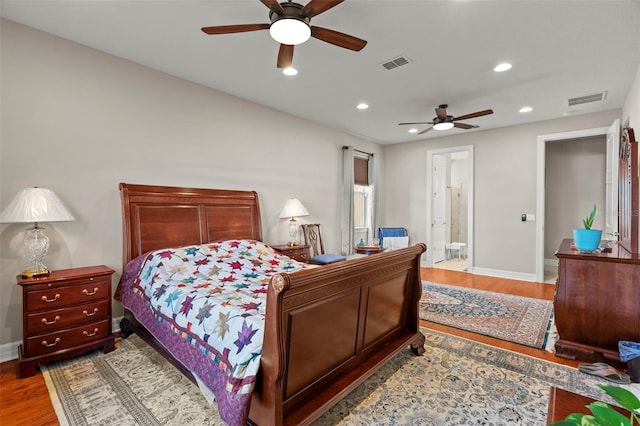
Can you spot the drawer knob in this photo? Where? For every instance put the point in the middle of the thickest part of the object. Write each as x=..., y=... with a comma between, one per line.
x=55, y=320
x=95, y=311
x=44, y=342
x=56, y=297
x=86, y=333
x=86, y=292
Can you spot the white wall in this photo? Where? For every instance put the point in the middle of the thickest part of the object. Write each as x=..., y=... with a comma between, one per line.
x=79, y=121
x=504, y=181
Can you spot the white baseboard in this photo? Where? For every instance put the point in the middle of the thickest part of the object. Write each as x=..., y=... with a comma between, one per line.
x=9, y=351
x=505, y=274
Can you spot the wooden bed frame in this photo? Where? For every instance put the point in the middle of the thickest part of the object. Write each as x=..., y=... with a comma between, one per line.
x=327, y=329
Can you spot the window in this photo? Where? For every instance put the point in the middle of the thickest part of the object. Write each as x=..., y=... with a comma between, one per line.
x=361, y=206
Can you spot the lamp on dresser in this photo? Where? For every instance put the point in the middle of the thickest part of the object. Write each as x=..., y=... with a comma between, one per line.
x=36, y=205
x=292, y=209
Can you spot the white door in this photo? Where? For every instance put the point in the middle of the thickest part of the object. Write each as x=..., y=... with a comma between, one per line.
x=439, y=208
x=611, y=191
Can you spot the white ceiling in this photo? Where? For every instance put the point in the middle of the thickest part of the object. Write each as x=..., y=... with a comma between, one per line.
x=559, y=50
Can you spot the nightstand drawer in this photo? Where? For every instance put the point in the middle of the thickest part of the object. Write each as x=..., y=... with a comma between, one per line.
x=56, y=319
x=68, y=338
x=301, y=255
x=79, y=291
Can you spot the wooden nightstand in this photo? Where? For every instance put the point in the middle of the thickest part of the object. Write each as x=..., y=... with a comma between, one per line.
x=298, y=252
x=64, y=315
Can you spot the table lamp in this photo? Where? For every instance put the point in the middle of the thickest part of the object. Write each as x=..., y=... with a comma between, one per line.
x=35, y=205
x=292, y=209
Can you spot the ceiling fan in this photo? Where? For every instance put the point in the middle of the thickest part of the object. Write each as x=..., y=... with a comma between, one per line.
x=289, y=25
x=442, y=121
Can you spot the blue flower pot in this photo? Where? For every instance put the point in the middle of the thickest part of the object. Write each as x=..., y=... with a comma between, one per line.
x=587, y=239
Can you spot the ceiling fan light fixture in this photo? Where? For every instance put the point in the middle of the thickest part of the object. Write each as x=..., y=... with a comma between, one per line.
x=290, y=31
x=446, y=125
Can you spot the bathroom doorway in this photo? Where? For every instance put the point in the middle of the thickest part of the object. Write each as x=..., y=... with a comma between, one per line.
x=450, y=208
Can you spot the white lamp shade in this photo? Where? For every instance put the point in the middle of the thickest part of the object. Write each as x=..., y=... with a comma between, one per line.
x=290, y=31
x=36, y=205
x=446, y=125
x=293, y=208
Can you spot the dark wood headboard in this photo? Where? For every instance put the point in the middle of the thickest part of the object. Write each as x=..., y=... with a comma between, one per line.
x=154, y=217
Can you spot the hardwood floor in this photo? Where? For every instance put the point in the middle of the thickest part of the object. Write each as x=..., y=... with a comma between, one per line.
x=26, y=401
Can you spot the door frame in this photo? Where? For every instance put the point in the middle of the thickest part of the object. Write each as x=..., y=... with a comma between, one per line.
x=470, y=203
x=540, y=184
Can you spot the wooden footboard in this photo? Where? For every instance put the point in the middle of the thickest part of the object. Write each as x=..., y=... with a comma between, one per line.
x=330, y=328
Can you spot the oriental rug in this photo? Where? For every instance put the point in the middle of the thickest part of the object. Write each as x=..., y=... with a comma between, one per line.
x=456, y=382
x=523, y=320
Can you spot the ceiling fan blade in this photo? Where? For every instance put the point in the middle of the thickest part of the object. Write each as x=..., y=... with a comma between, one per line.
x=425, y=130
x=441, y=113
x=274, y=6
x=418, y=122
x=474, y=115
x=463, y=126
x=285, y=56
x=338, y=39
x=316, y=7
x=229, y=29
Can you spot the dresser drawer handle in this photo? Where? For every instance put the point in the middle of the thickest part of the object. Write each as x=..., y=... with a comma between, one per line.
x=86, y=333
x=44, y=298
x=85, y=292
x=95, y=311
x=44, y=342
x=55, y=320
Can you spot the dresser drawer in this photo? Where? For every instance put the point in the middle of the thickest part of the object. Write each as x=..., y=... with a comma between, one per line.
x=71, y=293
x=56, y=319
x=67, y=338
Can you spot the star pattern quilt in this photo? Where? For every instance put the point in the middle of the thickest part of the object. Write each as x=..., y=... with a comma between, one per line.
x=206, y=304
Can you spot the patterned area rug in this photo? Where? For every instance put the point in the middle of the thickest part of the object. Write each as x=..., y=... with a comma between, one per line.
x=517, y=319
x=456, y=382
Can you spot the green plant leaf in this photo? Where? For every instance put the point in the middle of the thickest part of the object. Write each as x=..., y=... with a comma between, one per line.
x=588, y=222
x=622, y=396
x=605, y=415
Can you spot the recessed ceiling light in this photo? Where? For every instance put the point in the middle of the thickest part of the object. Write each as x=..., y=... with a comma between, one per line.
x=362, y=105
x=413, y=130
x=290, y=71
x=502, y=67
x=525, y=109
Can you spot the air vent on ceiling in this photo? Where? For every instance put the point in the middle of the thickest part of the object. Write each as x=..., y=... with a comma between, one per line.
x=595, y=97
x=395, y=63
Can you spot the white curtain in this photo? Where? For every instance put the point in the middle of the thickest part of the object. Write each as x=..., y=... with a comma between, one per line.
x=374, y=195
x=347, y=200
x=348, y=155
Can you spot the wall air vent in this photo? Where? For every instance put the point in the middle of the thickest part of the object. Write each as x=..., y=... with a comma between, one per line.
x=395, y=63
x=595, y=97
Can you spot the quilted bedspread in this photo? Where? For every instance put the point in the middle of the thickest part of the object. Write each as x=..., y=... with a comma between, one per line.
x=206, y=304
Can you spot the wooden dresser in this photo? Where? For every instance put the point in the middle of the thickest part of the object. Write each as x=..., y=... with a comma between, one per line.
x=64, y=315
x=597, y=302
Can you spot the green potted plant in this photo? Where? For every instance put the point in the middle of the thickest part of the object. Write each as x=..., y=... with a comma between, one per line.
x=587, y=239
x=604, y=415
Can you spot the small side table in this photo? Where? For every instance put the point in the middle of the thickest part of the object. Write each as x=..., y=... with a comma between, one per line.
x=299, y=252
x=369, y=249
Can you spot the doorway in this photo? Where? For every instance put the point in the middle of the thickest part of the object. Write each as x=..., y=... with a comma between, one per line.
x=450, y=208
x=610, y=210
